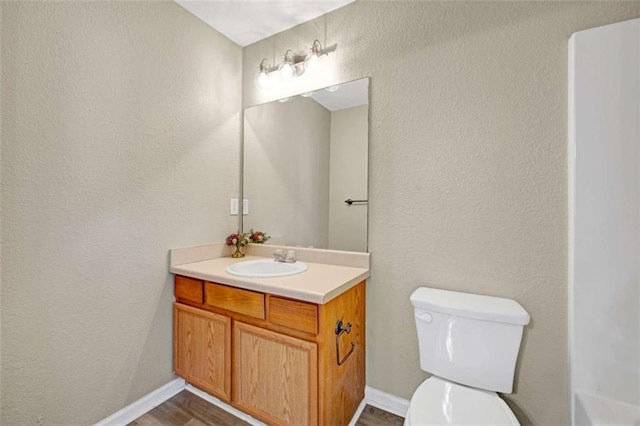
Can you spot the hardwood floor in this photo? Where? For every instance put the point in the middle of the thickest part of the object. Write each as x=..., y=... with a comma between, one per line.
x=372, y=416
x=186, y=409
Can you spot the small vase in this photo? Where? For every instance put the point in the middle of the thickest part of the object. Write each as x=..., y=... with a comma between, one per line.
x=237, y=251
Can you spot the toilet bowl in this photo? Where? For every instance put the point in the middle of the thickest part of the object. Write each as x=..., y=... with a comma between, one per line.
x=470, y=344
x=440, y=402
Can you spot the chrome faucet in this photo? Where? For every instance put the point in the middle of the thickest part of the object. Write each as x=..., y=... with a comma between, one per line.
x=291, y=257
x=279, y=256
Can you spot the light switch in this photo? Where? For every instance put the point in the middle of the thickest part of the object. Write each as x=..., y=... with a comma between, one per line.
x=245, y=207
x=233, y=207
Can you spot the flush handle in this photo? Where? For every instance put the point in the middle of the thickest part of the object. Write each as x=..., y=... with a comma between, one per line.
x=424, y=317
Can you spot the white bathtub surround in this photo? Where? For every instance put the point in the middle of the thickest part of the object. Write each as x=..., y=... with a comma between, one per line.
x=604, y=224
x=597, y=410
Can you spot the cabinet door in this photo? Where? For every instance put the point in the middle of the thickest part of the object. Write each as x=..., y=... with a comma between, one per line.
x=275, y=376
x=202, y=349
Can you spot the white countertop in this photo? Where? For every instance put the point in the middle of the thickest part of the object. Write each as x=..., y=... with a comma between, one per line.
x=318, y=284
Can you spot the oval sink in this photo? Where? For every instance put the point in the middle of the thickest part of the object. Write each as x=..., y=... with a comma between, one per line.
x=265, y=268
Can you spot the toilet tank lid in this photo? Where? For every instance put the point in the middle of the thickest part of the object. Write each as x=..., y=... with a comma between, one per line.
x=488, y=308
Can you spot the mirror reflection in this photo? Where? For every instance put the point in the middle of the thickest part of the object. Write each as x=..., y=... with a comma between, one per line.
x=306, y=166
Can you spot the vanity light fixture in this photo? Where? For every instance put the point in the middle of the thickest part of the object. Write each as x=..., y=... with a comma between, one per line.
x=332, y=88
x=262, y=77
x=289, y=68
x=306, y=94
x=313, y=58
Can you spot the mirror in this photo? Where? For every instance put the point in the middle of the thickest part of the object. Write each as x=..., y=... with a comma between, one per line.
x=304, y=157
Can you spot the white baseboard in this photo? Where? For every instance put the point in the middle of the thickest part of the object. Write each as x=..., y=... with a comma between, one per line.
x=372, y=396
x=247, y=418
x=359, y=411
x=224, y=406
x=144, y=404
x=386, y=401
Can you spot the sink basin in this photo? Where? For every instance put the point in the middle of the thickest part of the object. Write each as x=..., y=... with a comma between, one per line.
x=265, y=268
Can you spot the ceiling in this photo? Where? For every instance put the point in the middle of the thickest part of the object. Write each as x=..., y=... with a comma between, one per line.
x=248, y=21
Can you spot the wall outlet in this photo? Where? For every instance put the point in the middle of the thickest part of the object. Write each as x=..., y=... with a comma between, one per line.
x=233, y=207
x=245, y=207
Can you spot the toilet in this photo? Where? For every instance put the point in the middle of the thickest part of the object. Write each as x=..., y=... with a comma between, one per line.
x=469, y=343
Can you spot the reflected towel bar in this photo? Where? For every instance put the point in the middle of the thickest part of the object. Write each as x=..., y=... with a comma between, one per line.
x=349, y=201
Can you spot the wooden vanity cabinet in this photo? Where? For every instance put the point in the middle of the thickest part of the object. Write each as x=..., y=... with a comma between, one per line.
x=202, y=349
x=283, y=362
x=275, y=376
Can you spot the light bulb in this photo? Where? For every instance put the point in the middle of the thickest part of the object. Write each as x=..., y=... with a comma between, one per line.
x=311, y=61
x=313, y=57
x=262, y=79
x=287, y=70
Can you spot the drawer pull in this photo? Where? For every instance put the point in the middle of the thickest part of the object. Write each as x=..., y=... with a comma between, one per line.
x=341, y=329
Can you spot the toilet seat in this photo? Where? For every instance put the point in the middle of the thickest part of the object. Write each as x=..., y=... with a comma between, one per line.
x=440, y=402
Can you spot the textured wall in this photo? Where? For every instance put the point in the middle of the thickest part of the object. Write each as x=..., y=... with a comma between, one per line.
x=1, y=120
x=286, y=178
x=468, y=168
x=119, y=141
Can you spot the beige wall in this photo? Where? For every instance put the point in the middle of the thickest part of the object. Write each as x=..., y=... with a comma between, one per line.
x=286, y=171
x=348, y=178
x=1, y=98
x=120, y=140
x=467, y=166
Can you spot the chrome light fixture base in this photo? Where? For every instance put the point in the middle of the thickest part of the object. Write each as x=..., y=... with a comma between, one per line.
x=291, y=66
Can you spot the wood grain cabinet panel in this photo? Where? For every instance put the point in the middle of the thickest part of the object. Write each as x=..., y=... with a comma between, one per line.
x=275, y=376
x=293, y=314
x=272, y=357
x=189, y=289
x=342, y=386
x=202, y=349
x=233, y=299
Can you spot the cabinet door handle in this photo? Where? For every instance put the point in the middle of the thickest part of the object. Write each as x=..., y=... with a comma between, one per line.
x=340, y=330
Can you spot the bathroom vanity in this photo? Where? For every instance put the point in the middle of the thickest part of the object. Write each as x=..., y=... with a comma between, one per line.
x=286, y=350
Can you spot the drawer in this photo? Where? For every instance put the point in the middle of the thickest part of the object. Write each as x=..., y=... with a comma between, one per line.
x=188, y=289
x=293, y=314
x=233, y=299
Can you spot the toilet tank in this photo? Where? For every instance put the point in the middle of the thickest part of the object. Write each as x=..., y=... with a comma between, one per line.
x=468, y=338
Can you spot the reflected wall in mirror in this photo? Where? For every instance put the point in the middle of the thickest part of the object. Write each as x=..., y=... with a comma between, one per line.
x=304, y=156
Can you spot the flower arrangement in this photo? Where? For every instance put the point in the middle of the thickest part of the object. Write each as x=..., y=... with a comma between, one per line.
x=240, y=240
x=258, y=237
